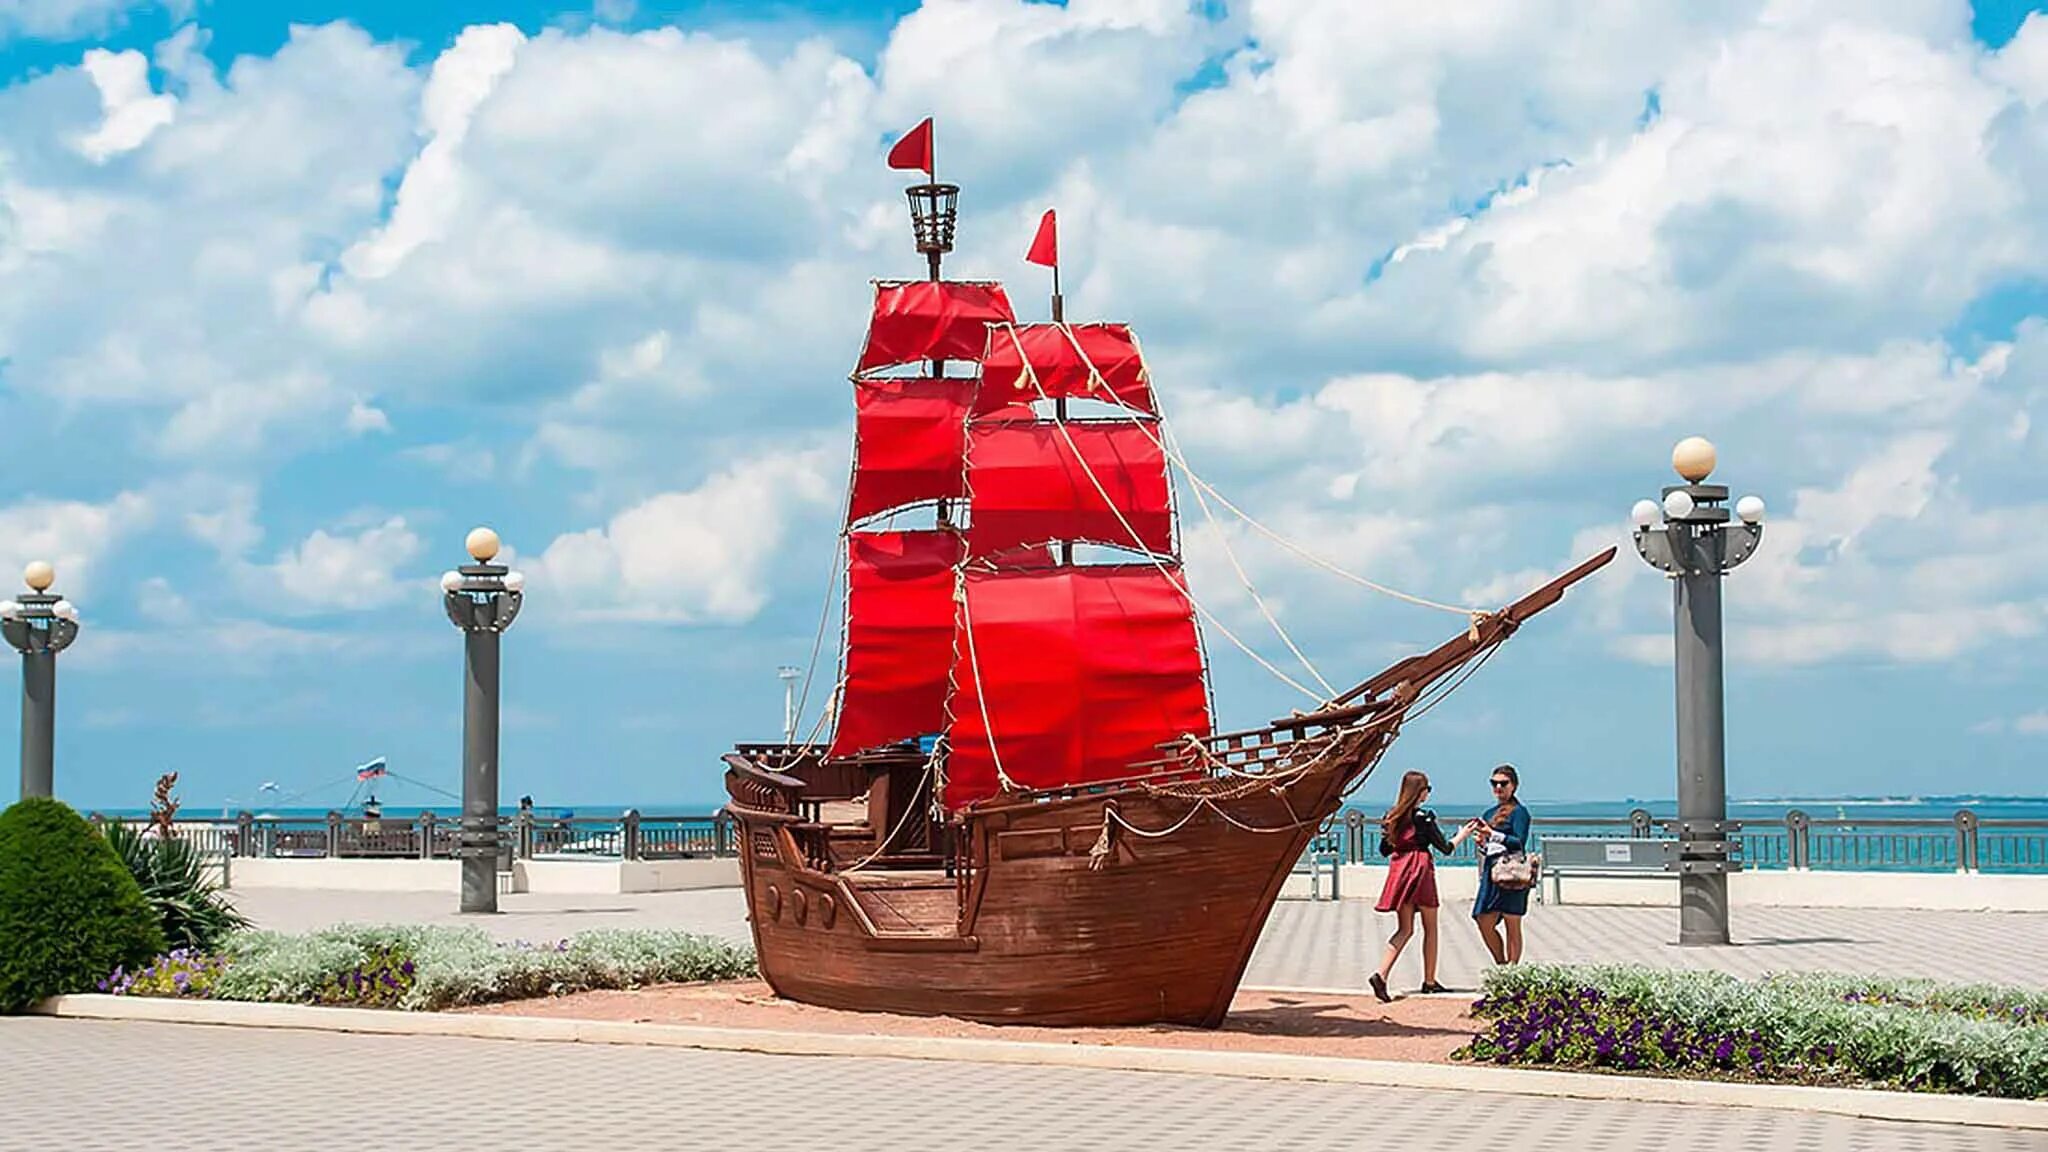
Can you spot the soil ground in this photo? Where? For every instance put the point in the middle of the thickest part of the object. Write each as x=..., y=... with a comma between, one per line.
x=1415, y=1028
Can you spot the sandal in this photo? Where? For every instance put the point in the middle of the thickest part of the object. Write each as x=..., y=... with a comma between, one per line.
x=1379, y=989
x=1432, y=986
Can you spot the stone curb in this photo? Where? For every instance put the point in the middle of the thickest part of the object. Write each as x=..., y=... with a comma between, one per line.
x=1867, y=1104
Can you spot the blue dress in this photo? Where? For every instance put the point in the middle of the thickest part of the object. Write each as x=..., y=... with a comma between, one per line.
x=1507, y=901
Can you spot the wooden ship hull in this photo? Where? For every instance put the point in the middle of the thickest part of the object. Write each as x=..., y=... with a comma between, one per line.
x=1127, y=903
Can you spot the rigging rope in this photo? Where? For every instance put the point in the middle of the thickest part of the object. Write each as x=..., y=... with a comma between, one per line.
x=824, y=613
x=1244, y=578
x=1031, y=375
x=1181, y=462
x=1305, y=554
x=980, y=696
x=931, y=764
x=1210, y=517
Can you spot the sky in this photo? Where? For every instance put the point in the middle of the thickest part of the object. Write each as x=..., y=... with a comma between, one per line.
x=294, y=294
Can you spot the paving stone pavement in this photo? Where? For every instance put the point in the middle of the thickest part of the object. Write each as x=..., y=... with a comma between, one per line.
x=189, y=1087
x=1336, y=944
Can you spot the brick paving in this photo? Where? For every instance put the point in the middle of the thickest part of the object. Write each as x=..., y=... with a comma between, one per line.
x=1336, y=944
x=88, y=1086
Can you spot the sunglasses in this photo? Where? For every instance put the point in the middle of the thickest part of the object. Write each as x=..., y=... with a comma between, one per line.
x=1502, y=783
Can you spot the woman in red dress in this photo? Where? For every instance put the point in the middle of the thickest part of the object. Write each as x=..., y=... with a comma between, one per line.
x=1407, y=833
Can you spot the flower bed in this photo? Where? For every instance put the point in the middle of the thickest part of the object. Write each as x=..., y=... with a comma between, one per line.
x=428, y=968
x=1801, y=1029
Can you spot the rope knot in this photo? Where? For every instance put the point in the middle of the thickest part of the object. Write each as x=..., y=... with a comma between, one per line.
x=1105, y=844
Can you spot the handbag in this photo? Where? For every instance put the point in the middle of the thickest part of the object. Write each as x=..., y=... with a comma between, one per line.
x=1516, y=870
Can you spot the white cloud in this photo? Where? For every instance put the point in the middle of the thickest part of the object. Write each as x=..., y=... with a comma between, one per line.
x=466, y=463
x=76, y=537
x=364, y=418
x=161, y=604
x=133, y=111
x=587, y=271
x=60, y=19
x=230, y=528
x=696, y=556
x=2032, y=724
x=338, y=572
x=431, y=192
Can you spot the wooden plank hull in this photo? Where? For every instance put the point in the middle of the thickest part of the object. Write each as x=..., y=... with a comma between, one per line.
x=1158, y=929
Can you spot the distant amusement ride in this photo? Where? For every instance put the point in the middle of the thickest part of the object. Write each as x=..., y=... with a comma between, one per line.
x=1023, y=812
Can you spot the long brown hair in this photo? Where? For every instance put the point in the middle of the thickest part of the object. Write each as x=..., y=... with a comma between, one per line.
x=1507, y=806
x=1413, y=785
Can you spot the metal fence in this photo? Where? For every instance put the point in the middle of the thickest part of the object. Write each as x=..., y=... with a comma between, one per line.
x=1961, y=843
x=428, y=836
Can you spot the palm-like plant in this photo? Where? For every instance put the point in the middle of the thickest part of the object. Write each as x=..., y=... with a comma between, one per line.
x=191, y=906
x=194, y=912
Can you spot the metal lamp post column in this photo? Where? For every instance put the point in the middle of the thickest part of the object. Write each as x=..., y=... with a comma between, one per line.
x=39, y=625
x=1695, y=545
x=482, y=599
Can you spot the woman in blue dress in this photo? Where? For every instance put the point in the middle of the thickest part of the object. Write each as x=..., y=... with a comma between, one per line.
x=1504, y=828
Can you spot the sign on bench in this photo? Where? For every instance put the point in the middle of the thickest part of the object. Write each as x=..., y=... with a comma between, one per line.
x=1610, y=856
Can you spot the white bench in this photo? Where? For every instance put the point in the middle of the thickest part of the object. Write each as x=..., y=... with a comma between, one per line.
x=1611, y=857
x=1322, y=855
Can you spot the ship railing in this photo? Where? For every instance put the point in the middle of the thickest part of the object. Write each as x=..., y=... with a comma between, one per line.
x=1963, y=842
x=632, y=835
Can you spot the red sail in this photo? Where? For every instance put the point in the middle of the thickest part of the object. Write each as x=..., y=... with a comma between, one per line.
x=909, y=437
x=931, y=320
x=1059, y=358
x=1079, y=672
x=1026, y=485
x=899, y=637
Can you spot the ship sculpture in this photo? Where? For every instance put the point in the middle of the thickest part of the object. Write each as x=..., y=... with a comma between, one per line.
x=1023, y=812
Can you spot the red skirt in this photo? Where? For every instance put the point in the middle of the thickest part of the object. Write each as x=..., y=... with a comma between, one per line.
x=1411, y=879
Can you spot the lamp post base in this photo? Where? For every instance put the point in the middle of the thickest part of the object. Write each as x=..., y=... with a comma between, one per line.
x=1702, y=911
x=480, y=884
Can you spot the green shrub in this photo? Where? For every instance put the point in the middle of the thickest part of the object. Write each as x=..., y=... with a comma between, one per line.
x=69, y=911
x=190, y=907
x=1916, y=1035
x=428, y=968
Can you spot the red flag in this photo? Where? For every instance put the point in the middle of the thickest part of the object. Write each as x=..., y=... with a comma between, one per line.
x=915, y=149
x=1045, y=247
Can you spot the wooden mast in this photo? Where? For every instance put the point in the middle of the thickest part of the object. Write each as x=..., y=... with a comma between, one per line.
x=1060, y=405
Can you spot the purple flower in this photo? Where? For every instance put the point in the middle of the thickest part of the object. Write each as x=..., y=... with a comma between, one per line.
x=1725, y=1050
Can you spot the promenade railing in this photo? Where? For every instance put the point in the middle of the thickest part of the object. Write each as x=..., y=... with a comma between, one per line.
x=430, y=836
x=1799, y=842
x=1960, y=843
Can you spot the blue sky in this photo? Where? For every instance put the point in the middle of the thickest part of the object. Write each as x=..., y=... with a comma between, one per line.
x=292, y=295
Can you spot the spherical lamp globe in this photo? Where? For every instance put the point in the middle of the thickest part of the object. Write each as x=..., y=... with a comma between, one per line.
x=1643, y=514
x=1693, y=459
x=482, y=544
x=39, y=575
x=1751, y=509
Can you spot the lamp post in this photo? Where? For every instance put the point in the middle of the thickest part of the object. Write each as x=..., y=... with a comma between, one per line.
x=39, y=625
x=789, y=677
x=1690, y=537
x=482, y=599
